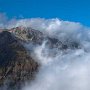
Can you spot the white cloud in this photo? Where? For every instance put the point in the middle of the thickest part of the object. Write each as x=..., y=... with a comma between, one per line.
x=63, y=72
x=67, y=70
x=52, y=27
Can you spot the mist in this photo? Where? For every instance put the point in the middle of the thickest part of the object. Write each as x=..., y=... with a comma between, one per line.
x=60, y=69
x=67, y=70
x=63, y=69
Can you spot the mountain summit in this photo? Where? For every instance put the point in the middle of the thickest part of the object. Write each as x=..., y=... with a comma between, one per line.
x=16, y=64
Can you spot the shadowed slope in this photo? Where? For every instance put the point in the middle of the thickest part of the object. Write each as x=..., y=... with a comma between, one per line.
x=16, y=66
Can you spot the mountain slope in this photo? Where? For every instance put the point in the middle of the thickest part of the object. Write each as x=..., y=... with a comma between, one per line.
x=16, y=66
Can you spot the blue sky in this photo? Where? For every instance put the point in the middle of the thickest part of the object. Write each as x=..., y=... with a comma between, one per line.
x=72, y=10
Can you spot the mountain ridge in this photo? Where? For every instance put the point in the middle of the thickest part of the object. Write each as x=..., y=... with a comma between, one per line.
x=16, y=63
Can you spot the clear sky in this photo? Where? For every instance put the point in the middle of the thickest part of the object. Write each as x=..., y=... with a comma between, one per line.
x=72, y=10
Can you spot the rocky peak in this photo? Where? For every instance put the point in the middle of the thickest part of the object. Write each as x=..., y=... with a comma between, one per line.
x=28, y=34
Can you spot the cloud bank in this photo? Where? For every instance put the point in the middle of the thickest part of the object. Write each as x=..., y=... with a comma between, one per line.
x=65, y=70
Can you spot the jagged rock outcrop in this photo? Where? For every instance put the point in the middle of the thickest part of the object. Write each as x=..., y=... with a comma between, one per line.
x=16, y=65
x=28, y=34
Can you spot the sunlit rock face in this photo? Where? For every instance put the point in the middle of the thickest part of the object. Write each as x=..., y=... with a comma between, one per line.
x=16, y=65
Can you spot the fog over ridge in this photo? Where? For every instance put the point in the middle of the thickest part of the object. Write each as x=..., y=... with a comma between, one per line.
x=60, y=69
x=67, y=70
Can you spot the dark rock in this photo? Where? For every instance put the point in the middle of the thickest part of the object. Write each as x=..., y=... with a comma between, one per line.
x=16, y=65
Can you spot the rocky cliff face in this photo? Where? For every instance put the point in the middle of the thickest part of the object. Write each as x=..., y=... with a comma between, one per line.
x=16, y=65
